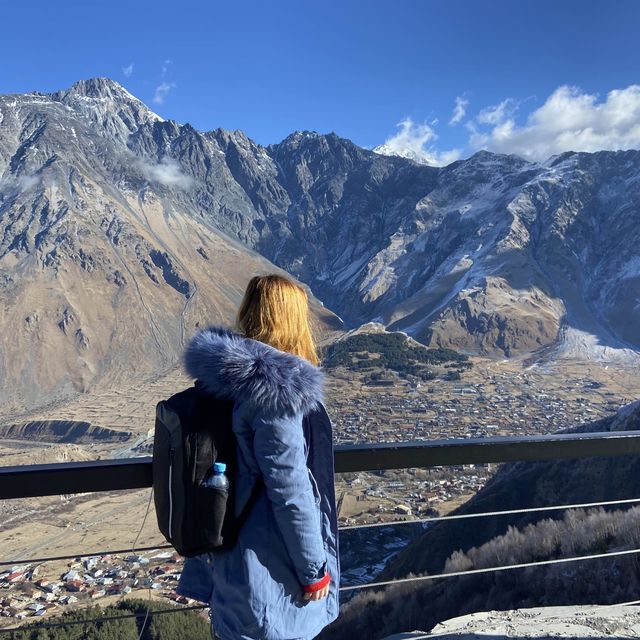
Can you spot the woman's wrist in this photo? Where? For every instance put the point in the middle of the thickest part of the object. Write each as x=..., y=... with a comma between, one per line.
x=318, y=585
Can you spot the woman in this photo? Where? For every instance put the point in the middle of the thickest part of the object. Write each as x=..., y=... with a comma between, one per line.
x=280, y=581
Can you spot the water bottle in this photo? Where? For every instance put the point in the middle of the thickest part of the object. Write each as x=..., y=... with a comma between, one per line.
x=217, y=479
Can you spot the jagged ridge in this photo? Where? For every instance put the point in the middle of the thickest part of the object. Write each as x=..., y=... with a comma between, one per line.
x=493, y=254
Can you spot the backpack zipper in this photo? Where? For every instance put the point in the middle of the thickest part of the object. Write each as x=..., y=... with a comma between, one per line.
x=171, y=452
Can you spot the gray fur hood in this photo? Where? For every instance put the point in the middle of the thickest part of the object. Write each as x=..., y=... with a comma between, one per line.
x=232, y=366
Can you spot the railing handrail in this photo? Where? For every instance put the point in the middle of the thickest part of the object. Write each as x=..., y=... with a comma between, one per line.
x=28, y=481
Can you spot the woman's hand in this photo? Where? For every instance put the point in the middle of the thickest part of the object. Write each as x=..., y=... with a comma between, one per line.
x=319, y=589
x=317, y=595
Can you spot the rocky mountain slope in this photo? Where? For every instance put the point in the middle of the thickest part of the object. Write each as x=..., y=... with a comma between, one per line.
x=492, y=254
x=103, y=200
x=106, y=266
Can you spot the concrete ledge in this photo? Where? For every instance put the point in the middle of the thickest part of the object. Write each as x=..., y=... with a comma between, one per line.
x=548, y=622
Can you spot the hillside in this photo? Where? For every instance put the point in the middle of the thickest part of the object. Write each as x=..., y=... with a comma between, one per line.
x=187, y=625
x=106, y=266
x=382, y=353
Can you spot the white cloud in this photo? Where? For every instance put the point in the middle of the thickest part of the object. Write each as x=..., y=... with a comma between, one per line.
x=21, y=184
x=459, y=111
x=443, y=158
x=498, y=113
x=162, y=91
x=569, y=120
x=27, y=182
x=167, y=172
x=128, y=70
x=413, y=141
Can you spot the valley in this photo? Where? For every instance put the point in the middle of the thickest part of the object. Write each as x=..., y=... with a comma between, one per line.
x=507, y=397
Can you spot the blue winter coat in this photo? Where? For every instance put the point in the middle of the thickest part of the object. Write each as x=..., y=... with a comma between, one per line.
x=291, y=534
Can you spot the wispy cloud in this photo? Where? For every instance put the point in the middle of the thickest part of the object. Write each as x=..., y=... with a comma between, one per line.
x=497, y=113
x=128, y=70
x=167, y=172
x=414, y=141
x=162, y=91
x=165, y=86
x=459, y=111
x=569, y=120
x=21, y=183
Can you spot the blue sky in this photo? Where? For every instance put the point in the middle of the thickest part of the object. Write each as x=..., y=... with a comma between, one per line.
x=355, y=67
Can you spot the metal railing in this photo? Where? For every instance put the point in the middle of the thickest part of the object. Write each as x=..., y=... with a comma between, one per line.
x=30, y=481
x=136, y=473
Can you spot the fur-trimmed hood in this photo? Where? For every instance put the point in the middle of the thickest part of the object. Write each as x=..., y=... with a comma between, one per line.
x=232, y=366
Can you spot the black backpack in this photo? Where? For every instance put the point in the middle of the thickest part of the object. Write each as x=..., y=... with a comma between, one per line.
x=192, y=431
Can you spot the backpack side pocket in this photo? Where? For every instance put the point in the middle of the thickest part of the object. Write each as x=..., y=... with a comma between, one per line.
x=211, y=505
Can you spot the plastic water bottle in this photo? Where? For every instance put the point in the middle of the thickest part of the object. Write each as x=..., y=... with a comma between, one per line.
x=217, y=479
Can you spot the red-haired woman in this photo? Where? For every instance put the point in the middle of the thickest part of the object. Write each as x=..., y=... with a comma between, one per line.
x=280, y=581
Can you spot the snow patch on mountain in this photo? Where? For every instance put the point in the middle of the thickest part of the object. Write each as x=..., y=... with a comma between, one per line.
x=576, y=344
x=408, y=154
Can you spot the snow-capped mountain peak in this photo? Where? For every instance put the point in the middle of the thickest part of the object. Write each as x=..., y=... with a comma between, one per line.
x=409, y=154
x=108, y=103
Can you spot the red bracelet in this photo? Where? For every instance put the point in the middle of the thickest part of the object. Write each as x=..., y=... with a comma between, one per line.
x=317, y=586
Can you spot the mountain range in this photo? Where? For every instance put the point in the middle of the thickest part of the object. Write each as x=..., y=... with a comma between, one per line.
x=120, y=232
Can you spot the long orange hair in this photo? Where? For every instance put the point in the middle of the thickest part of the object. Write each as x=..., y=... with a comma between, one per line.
x=275, y=310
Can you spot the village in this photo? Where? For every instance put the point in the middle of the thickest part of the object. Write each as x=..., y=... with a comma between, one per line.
x=519, y=406
x=29, y=591
x=486, y=402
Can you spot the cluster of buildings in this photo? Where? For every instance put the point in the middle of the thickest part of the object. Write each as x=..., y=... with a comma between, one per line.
x=515, y=403
x=30, y=591
x=502, y=405
x=396, y=496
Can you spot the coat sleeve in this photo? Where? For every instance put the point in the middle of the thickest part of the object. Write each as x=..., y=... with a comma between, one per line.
x=280, y=453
